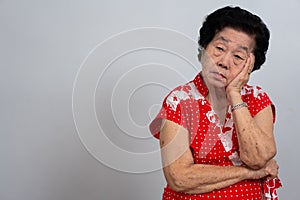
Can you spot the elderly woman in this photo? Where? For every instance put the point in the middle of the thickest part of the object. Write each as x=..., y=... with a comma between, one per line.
x=216, y=131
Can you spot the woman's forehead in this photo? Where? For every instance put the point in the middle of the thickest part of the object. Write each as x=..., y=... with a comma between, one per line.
x=235, y=39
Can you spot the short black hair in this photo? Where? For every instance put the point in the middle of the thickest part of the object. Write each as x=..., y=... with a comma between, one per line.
x=241, y=20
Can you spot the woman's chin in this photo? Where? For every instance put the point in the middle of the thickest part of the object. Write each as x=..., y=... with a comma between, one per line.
x=217, y=83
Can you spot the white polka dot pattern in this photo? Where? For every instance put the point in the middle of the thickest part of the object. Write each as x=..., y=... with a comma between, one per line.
x=211, y=142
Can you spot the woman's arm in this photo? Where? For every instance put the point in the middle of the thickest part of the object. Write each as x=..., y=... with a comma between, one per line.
x=183, y=175
x=255, y=135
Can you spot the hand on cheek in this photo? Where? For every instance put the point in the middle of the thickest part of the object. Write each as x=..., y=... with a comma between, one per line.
x=235, y=86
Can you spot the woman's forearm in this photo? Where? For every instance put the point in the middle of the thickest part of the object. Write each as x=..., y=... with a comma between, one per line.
x=199, y=178
x=255, y=136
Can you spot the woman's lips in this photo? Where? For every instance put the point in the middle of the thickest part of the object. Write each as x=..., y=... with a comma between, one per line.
x=219, y=75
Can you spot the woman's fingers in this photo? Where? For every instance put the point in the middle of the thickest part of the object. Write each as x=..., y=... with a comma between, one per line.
x=270, y=171
x=248, y=65
x=272, y=168
x=251, y=63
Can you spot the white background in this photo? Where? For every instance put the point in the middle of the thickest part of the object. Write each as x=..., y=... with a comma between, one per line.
x=42, y=46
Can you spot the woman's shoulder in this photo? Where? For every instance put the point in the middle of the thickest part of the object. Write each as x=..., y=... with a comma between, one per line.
x=256, y=98
x=186, y=91
x=253, y=91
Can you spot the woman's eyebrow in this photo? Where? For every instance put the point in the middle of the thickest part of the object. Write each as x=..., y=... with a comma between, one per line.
x=244, y=48
x=228, y=41
x=223, y=39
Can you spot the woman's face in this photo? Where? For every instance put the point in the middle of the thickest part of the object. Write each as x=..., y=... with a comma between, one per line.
x=225, y=56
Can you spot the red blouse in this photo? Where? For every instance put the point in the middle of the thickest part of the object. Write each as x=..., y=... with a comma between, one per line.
x=211, y=142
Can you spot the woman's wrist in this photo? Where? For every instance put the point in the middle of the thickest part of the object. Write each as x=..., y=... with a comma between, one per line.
x=238, y=106
x=234, y=98
x=246, y=173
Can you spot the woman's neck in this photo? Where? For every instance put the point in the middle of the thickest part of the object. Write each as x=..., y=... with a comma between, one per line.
x=218, y=100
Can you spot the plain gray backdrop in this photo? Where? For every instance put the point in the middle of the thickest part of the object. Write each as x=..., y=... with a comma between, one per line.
x=42, y=46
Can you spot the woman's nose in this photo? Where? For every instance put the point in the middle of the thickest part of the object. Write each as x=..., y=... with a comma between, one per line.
x=224, y=61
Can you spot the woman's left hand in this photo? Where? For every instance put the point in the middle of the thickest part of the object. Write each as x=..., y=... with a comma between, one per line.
x=235, y=86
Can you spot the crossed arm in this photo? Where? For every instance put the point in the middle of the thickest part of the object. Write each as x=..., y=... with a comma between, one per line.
x=183, y=175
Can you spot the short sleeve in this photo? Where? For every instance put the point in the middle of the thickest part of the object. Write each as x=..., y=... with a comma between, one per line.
x=257, y=100
x=172, y=109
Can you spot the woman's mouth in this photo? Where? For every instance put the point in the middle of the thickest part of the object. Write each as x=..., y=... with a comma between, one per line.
x=219, y=76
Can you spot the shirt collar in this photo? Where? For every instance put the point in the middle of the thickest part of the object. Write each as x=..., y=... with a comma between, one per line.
x=198, y=81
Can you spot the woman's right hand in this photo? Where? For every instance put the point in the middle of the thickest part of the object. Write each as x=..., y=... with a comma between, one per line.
x=270, y=170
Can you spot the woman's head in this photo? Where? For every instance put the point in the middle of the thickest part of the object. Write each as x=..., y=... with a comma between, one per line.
x=240, y=20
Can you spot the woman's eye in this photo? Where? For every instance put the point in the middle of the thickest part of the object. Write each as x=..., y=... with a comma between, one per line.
x=219, y=48
x=238, y=57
